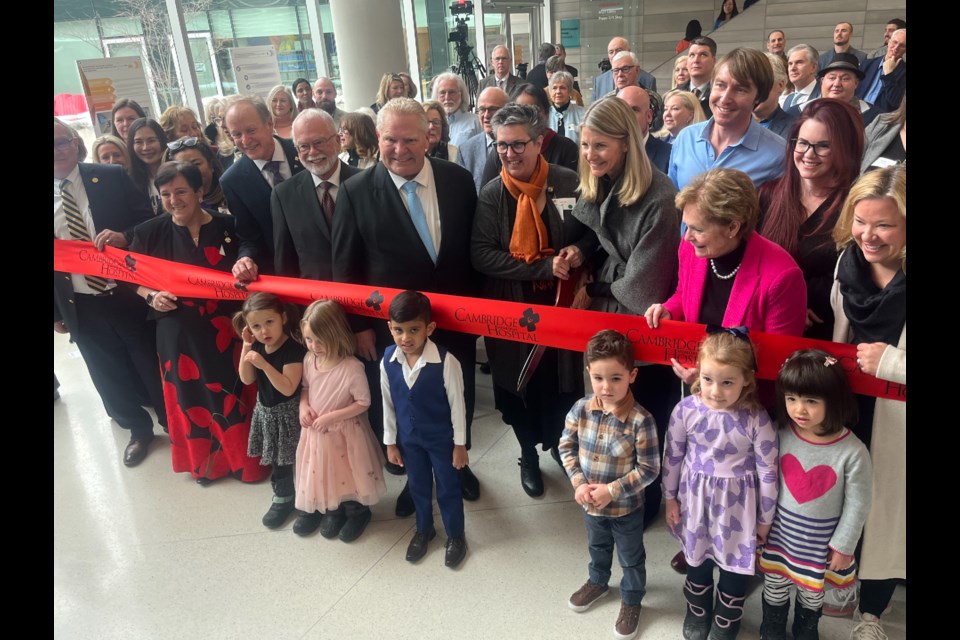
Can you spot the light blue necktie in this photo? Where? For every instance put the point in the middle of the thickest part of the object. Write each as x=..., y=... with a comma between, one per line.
x=419, y=218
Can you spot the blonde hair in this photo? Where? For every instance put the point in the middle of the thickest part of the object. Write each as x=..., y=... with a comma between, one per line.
x=690, y=103
x=890, y=182
x=403, y=106
x=170, y=118
x=328, y=323
x=723, y=196
x=673, y=79
x=613, y=117
x=384, y=90
x=281, y=88
x=110, y=139
x=726, y=349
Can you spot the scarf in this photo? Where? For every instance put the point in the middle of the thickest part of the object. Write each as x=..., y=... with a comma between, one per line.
x=528, y=243
x=875, y=314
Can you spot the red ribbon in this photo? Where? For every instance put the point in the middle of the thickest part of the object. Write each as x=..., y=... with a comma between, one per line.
x=549, y=326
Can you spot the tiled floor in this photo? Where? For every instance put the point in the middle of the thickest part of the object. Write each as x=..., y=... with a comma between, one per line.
x=145, y=553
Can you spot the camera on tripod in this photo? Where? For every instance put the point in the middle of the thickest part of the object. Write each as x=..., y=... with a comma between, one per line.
x=459, y=34
x=468, y=65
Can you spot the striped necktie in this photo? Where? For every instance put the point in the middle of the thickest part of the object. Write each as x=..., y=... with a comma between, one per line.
x=78, y=231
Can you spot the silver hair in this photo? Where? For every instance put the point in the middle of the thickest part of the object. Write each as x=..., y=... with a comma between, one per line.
x=562, y=76
x=519, y=114
x=812, y=55
x=314, y=113
x=81, y=147
x=626, y=55
x=464, y=93
x=779, y=67
x=403, y=106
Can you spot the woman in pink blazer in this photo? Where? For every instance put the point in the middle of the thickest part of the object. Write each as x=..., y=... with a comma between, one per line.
x=729, y=275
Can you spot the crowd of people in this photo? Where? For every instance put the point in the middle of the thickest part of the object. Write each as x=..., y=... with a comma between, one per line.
x=764, y=192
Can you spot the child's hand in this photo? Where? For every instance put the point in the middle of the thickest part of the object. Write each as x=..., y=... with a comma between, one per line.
x=255, y=359
x=320, y=423
x=762, y=531
x=393, y=454
x=247, y=336
x=600, y=495
x=307, y=416
x=460, y=456
x=838, y=561
x=582, y=495
x=673, y=513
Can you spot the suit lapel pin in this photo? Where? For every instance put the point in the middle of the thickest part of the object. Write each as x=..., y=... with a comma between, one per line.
x=95, y=180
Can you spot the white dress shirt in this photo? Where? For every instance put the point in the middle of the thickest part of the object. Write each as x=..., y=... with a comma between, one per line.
x=427, y=192
x=60, y=230
x=452, y=382
x=334, y=181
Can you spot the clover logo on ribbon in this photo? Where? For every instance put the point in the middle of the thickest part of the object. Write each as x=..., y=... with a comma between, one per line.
x=130, y=262
x=375, y=299
x=242, y=286
x=529, y=319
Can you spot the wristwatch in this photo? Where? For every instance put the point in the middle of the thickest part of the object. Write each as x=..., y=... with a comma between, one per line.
x=150, y=298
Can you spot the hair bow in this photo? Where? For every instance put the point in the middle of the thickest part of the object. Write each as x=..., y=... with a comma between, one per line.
x=737, y=332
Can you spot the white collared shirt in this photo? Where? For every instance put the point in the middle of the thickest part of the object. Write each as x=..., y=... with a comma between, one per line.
x=60, y=229
x=427, y=192
x=280, y=157
x=334, y=181
x=452, y=382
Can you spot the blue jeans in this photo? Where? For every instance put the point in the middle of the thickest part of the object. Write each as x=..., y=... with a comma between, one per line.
x=627, y=533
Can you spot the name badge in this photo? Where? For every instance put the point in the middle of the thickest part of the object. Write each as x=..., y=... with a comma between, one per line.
x=883, y=163
x=564, y=205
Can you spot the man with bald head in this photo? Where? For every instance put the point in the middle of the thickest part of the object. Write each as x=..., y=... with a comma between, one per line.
x=639, y=101
x=267, y=161
x=474, y=152
x=885, y=79
x=303, y=206
x=604, y=83
x=501, y=78
x=325, y=96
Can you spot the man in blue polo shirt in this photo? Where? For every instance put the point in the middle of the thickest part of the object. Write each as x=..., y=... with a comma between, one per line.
x=732, y=138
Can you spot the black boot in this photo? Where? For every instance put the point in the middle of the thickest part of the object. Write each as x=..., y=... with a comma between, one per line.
x=530, y=478
x=696, y=624
x=283, y=503
x=727, y=614
x=774, y=624
x=805, y=622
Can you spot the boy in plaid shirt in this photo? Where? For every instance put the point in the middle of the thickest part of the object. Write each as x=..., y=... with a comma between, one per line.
x=609, y=449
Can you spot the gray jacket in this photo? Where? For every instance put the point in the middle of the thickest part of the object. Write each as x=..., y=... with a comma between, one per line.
x=877, y=137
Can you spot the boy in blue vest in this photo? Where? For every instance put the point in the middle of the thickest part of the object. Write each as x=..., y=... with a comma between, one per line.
x=425, y=422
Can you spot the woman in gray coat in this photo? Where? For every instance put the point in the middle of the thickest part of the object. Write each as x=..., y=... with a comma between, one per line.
x=523, y=245
x=886, y=140
x=631, y=209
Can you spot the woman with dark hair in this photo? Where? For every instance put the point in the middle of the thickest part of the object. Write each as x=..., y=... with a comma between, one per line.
x=147, y=143
x=523, y=246
x=358, y=140
x=391, y=86
x=125, y=111
x=555, y=149
x=799, y=210
x=728, y=11
x=198, y=153
x=408, y=83
x=304, y=93
x=438, y=132
x=208, y=407
x=694, y=31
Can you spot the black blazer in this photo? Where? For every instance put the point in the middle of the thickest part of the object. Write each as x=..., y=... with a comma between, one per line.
x=248, y=195
x=659, y=152
x=376, y=244
x=892, y=87
x=301, y=239
x=704, y=99
x=115, y=204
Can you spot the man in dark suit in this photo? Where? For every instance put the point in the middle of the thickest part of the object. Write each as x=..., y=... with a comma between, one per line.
x=500, y=65
x=303, y=206
x=267, y=161
x=406, y=223
x=538, y=75
x=657, y=150
x=107, y=321
x=885, y=79
x=701, y=59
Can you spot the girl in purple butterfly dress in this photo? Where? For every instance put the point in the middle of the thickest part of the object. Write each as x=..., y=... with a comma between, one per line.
x=720, y=483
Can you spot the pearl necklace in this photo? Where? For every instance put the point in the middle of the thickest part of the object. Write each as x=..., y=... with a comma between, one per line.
x=717, y=273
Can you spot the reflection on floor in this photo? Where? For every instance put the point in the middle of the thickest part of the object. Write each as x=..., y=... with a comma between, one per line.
x=145, y=553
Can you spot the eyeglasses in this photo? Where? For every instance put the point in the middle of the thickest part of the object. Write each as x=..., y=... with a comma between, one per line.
x=434, y=123
x=189, y=143
x=820, y=149
x=502, y=59
x=59, y=144
x=307, y=147
x=517, y=145
x=621, y=70
x=490, y=110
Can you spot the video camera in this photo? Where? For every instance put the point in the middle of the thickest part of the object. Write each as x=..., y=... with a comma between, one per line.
x=459, y=33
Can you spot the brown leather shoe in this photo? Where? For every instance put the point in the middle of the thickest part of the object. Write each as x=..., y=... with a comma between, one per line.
x=135, y=452
x=628, y=622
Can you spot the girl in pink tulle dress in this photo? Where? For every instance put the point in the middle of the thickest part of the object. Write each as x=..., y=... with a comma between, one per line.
x=339, y=463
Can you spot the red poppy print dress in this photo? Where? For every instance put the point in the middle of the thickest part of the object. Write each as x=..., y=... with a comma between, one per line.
x=208, y=407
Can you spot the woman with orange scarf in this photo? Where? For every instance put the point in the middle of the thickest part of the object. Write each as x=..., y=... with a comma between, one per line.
x=524, y=242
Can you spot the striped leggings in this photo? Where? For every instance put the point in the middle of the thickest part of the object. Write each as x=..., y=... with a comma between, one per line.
x=776, y=590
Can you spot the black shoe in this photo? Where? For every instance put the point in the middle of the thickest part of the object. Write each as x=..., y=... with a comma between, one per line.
x=307, y=523
x=355, y=525
x=404, y=506
x=469, y=485
x=805, y=622
x=485, y=368
x=530, y=478
x=727, y=615
x=278, y=513
x=333, y=522
x=456, y=550
x=137, y=450
x=418, y=544
x=394, y=469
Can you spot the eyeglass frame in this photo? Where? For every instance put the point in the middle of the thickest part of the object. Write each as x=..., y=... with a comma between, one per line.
x=623, y=70
x=796, y=142
x=502, y=147
x=316, y=144
x=189, y=143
